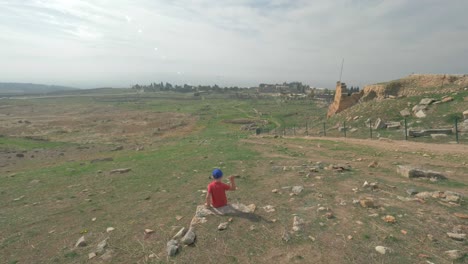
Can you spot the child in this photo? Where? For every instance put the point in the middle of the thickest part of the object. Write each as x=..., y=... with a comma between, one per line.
x=216, y=195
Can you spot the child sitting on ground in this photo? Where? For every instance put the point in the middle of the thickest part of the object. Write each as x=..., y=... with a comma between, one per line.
x=216, y=195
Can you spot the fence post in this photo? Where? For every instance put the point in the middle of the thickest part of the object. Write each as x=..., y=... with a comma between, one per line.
x=406, y=130
x=324, y=130
x=307, y=128
x=456, y=129
x=284, y=131
x=294, y=130
x=344, y=128
x=370, y=128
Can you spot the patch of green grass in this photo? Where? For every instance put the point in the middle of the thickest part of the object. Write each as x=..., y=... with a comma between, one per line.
x=28, y=144
x=71, y=255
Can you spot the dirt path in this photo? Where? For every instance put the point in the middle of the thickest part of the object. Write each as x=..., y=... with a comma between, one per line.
x=402, y=145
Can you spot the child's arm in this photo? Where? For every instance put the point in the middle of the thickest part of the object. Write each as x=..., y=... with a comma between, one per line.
x=208, y=200
x=233, y=183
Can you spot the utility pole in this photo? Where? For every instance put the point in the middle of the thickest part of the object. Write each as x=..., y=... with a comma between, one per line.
x=341, y=72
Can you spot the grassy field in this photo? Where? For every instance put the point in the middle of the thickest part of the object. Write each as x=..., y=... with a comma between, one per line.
x=50, y=196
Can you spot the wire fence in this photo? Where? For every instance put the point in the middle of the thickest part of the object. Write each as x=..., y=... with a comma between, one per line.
x=457, y=133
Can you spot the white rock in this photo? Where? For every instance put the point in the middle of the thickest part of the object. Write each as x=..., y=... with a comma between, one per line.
x=223, y=226
x=101, y=246
x=269, y=208
x=81, y=242
x=454, y=254
x=297, y=189
x=180, y=234
x=91, y=255
x=382, y=250
x=110, y=229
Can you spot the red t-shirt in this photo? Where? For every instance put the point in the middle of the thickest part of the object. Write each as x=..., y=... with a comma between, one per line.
x=218, y=193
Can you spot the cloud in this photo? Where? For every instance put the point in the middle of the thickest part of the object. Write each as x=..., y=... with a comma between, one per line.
x=245, y=41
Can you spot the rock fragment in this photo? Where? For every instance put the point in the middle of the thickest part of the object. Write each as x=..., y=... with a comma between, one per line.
x=180, y=234
x=172, y=247
x=297, y=189
x=455, y=236
x=454, y=254
x=81, y=242
x=101, y=246
x=120, y=171
x=189, y=237
x=223, y=226
x=382, y=250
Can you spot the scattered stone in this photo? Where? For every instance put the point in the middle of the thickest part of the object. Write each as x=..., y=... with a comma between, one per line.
x=189, y=237
x=465, y=114
x=148, y=231
x=117, y=148
x=420, y=114
x=180, y=234
x=460, y=215
x=429, y=132
x=436, y=136
x=297, y=189
x=107, y=256
x=101, y=160
x=411, y=192
x=120, y=171
x=350, y=237
x=286, y=236
x=382, y=250
x=447, y=99
x=19, y=198
x=91, y=255
x=321, y=209
x=426, y=101
x=178, y=217
x=367, y=203
x=404, y=232
x=274, y=190
x=452, y=197
x=454, y=254
x=424, y=195
x=81, y=242
x=223, y=226
x=329, y=215
x=269, y=208
x=373, y=164
x=101, y=246
x=405, y=112
x=389, y=219
x=252, y=228
x=94, y=219
x=412, y=172
x=297, y=224
x=34, y=182
x=455, y=236
x=379, y=124
x=110, y=229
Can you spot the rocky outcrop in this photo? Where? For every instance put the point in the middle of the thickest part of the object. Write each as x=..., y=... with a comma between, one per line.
x=413, y=85
x=343, y=100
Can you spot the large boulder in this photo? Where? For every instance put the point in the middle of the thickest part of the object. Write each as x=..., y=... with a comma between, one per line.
x=417, y=108
x=429, y=132
x=413, y=172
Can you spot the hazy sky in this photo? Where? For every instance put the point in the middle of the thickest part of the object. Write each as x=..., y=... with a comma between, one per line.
x=93, y=43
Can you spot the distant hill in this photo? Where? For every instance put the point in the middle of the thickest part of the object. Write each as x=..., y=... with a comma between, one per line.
x=30, y=88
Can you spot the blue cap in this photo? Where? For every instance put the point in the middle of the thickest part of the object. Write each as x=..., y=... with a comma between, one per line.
x=217, y=173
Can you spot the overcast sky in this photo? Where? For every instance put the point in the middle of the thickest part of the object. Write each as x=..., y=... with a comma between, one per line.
x=93, y=43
